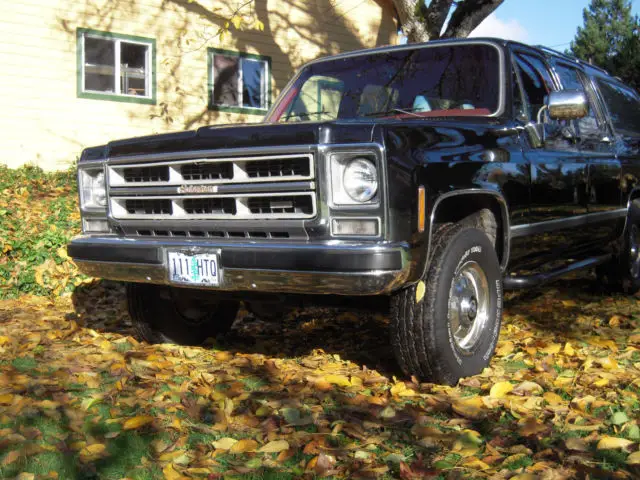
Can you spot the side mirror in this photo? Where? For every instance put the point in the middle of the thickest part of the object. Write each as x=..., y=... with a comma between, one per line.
x=568, y=105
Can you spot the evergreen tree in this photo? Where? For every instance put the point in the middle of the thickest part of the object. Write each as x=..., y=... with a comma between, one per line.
x=610, y=38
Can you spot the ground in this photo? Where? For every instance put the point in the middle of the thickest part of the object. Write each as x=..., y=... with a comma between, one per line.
x=316, y=395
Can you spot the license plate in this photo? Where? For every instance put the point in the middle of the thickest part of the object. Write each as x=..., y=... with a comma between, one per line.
x=196, y=269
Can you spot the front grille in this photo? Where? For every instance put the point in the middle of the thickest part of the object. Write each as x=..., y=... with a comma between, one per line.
x=202, y=206
x=268, y=235
x=146, y=174
x=148, y=207
x=278, y=168
x=207, y=171
x=276, y=205
x=206, y=187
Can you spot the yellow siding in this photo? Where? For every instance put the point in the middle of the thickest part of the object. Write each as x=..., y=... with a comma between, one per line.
x=43, y=121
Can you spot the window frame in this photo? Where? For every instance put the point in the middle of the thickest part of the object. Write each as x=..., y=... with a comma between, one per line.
x=241, y=55
x=150, y=77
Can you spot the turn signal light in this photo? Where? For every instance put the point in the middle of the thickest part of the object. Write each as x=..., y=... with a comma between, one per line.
x=421, y=209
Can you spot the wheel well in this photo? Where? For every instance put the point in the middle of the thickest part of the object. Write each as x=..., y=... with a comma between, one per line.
x=482, y=210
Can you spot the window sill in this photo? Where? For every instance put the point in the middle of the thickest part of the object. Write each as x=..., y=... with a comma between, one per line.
x=117, y=98
x=246, y=110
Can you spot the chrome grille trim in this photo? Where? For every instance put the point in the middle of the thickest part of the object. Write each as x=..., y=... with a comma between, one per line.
x=198, y=171
x=302, y=203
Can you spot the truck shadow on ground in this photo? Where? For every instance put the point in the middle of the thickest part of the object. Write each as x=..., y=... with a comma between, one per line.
x=361, y=337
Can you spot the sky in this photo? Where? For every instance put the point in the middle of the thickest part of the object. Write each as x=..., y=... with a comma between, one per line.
x=552, y=23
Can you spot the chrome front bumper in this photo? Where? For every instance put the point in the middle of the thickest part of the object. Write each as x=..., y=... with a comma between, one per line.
x=337, y=268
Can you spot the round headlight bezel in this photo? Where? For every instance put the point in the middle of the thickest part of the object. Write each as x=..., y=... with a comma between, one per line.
x=368, y=188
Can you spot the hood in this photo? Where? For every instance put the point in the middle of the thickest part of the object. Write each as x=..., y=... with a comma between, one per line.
x=245, y=136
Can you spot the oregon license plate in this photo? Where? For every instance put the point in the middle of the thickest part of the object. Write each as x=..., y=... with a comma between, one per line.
x=196, y=269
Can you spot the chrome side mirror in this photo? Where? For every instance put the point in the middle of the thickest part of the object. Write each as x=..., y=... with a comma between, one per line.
x=568, y=105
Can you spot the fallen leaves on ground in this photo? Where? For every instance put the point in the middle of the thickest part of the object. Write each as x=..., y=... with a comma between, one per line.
x=316, y=395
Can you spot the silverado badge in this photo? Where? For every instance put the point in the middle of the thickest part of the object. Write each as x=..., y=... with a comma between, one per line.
x=198, y=189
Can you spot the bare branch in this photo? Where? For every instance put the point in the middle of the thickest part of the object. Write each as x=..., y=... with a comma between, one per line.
x=468, y=15
x=435, y=16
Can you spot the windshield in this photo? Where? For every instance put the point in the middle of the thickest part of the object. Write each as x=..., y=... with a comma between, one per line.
x=448, y=80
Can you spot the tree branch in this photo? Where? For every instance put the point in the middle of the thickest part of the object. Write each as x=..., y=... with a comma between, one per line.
x=435, y=16
x=468, y=15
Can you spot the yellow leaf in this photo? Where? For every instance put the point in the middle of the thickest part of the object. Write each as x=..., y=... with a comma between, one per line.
x=237, y=21
x=92, y=452
x=170, y=473
x=608, y=363
x=243, y=446
x=275, y=446
x=470, y=407
x=474, y=463
x=613, y=443
x=225, y=443
x=4, y=340
x=62, y=253
x=634, y=459
x=11, y=457
x=6, y=399
x=569, y=303
x=500, y=389
x=552, y=349
x=259, y=25
x=602, y=382
x=340, y=380
x=25, y=476
x=505, y=349
x=568, y=349
x=420, y=289
x=137, y=422
x=553, y=398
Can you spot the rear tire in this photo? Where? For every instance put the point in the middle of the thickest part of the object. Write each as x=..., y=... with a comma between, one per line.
x=171, y=315
x=622, y=273
x=451, y=330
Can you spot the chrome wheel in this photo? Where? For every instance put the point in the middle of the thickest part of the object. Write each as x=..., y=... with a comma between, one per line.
x=634, y=252
x=468, y=305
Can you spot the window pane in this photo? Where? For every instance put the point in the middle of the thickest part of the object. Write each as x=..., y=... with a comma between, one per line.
x=536, y=82
x=623, y=105
x=570, y=78
x=225, y=80
x=253, y=83
x=133, y=68
x=99, y=64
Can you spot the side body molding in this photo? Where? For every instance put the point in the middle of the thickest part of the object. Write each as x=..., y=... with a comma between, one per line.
x=505, y=231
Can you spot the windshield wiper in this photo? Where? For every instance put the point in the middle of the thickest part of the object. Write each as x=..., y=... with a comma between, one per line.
x=393, y=110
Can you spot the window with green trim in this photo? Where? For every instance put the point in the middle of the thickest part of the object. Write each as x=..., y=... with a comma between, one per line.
x=115, y=67
x=239, y=82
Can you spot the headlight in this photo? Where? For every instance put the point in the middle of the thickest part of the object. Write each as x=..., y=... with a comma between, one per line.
x=354, y=180
x=360, y=180
x=93, y=192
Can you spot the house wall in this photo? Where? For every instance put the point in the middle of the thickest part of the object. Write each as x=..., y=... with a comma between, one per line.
x=43, y=121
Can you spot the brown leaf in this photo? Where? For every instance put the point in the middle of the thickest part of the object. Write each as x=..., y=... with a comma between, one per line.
x=11, y=457
x=275, y=446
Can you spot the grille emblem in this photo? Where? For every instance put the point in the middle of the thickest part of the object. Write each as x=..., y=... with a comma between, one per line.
x=198, y=189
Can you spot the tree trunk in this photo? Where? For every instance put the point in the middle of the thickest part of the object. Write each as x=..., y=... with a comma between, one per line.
x=421, y=23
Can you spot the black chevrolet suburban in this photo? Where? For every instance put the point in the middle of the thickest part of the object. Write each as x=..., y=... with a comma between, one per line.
x=435, y=175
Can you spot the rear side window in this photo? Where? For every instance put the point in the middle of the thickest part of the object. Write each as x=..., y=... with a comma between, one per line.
x=623, y=105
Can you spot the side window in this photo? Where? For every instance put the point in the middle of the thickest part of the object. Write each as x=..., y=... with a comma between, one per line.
x=623, y=105
x=571, y=79
x=238, y=82
x=536, y=82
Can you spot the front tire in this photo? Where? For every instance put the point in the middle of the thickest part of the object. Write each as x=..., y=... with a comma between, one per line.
x=622, y=273
x=171, y=315
x=449, y=329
